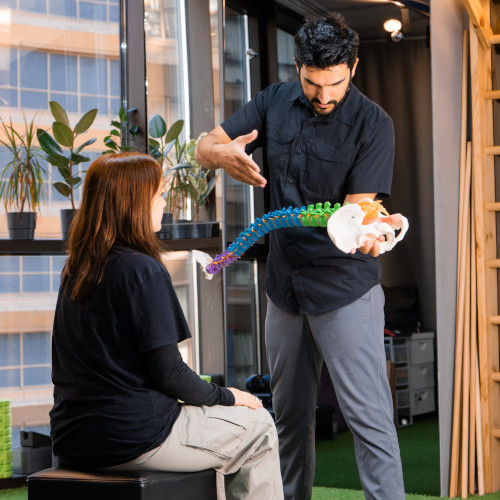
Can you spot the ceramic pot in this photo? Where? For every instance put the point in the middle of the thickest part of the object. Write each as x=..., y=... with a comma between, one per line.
x=67, y=215
x=165, y=233
x=21, y=225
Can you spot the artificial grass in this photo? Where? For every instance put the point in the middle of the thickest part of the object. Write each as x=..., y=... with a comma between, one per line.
x=320, y=493
x=419, y=444
x=15, y=494
x=337, y=476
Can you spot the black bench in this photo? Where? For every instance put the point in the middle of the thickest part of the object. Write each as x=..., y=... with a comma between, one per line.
x=67, y=484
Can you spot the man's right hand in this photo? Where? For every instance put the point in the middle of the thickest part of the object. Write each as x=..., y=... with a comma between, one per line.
x=216, y=150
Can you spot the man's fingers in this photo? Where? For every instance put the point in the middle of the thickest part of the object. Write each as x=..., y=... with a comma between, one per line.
x=248, y=171
x=247, y=138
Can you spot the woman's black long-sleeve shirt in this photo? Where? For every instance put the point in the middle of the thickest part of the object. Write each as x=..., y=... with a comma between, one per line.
x=116, y=368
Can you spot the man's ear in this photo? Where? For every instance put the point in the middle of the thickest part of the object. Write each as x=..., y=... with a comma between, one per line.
x=297, y=66
x=353, y=70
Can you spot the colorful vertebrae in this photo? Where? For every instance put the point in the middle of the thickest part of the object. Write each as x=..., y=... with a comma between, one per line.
x=312, y=216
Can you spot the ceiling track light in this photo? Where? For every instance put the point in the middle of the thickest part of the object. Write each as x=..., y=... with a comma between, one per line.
x=393, y=26
x=420, y=6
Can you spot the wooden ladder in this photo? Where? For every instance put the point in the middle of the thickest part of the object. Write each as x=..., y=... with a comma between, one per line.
x=484, y=211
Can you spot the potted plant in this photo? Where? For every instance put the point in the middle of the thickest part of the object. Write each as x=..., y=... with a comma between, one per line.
x=187, y=182
x=22, y=182
x=118, y=129
x=64, y=137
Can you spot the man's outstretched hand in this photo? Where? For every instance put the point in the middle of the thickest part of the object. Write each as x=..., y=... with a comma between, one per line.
x=238, y=164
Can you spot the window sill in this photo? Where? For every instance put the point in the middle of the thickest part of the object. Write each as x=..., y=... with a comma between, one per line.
x=58, y=247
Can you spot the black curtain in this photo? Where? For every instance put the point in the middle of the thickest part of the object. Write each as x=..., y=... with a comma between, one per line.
x=397, y=76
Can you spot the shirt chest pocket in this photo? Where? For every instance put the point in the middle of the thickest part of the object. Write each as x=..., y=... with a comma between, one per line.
x=326, y=170
x=279, y=143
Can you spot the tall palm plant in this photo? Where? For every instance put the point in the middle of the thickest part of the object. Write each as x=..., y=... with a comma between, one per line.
x=22, y=183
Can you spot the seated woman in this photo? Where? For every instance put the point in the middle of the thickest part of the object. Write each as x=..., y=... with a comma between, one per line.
x=117, y=372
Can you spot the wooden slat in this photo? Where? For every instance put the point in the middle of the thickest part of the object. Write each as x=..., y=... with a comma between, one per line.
x=496, y=376
x=494, y=264
x=492, y=94
x=480, y=22
x=493, y=207
x=492, y=150
x=487, y=293
x=494, y=39
x=496, y=433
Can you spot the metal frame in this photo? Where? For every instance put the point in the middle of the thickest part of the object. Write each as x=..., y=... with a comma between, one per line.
x=133, y=75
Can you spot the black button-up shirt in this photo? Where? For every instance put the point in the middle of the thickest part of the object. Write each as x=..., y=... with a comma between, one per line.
x=316, y=159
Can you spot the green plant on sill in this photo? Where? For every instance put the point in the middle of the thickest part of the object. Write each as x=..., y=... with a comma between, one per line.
x=186, y=180
x=22, y=179
x=118, y=129
x=64, y=137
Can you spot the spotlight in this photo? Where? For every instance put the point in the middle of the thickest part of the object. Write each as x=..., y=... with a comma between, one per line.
x=392, y=25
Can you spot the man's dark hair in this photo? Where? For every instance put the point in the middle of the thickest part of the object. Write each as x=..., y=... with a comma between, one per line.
x=326, y=42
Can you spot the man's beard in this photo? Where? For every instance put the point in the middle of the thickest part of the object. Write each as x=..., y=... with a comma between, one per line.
x=334, y=102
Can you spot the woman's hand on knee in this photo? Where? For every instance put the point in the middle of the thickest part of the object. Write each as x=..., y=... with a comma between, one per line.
x=242, y=398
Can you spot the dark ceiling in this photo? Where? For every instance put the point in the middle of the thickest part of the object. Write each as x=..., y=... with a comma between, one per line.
x=368, y=16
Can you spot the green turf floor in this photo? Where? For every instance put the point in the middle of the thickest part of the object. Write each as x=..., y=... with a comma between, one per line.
x=336, y=472
x=319, y=493
x=419, y=444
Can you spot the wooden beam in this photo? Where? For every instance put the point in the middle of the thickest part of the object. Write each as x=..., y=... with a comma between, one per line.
x=480, y=22
x=496, y=433
x=496, y=376
x=495, y=320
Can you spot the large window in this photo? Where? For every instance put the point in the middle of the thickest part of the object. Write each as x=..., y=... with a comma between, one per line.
x=166, y=54
x=66, y=51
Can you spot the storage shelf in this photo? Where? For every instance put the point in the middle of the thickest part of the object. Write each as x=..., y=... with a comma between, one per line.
x=58, y=247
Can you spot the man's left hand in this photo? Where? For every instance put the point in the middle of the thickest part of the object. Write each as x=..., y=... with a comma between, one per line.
x=372, y=245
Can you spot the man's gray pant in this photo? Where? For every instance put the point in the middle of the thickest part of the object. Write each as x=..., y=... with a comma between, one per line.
x=350, y=341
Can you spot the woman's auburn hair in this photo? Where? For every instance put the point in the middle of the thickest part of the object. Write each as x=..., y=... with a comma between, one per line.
x=115, y=210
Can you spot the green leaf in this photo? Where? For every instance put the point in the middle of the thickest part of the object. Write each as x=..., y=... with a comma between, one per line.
x=85, y=121
x=47, y=142
x=174, y=131
x=64, y=171
x=116, y=124
x=74, y=181
x=157, y=126
x=115, y=133
x=58, y=160
x=59, y=113
x=153, y=143
x=168, y=147
x=84, y=145
x=77, y=158
x=64, y=189
x=134, y=130
x=63, y=134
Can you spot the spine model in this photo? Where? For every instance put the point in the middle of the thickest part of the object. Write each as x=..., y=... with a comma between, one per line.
x=312, y=216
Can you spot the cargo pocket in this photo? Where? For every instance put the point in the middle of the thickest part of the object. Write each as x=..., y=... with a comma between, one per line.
x=214, y=429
